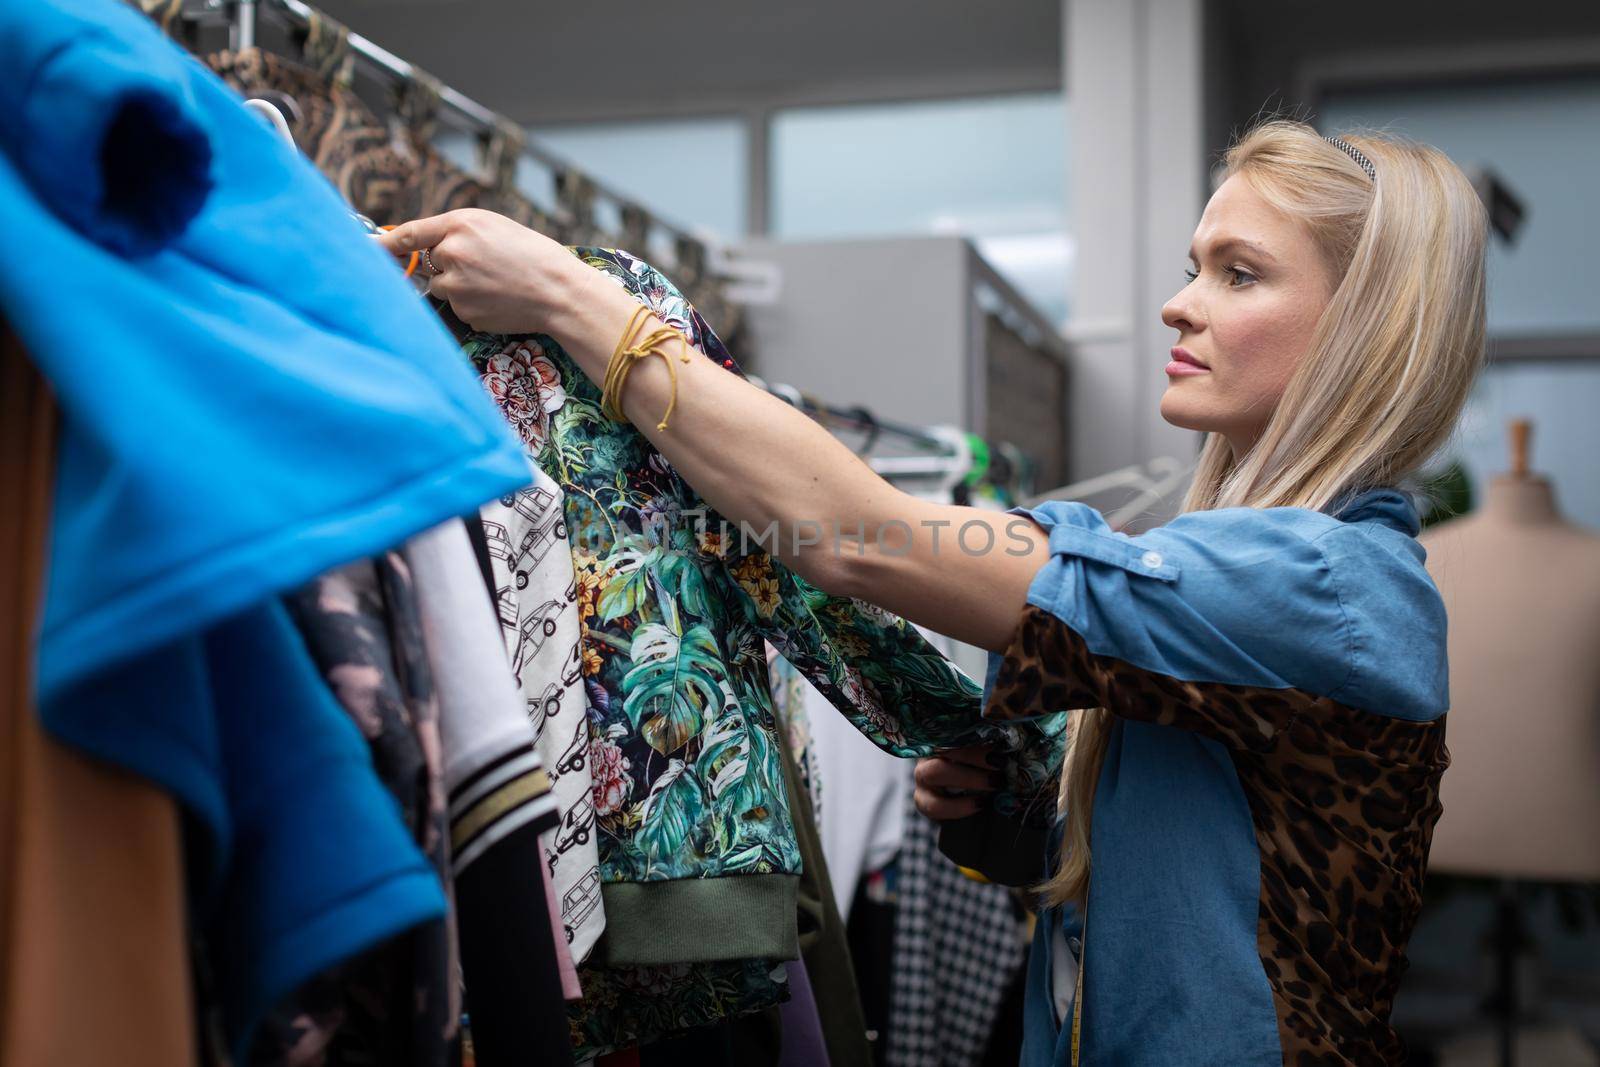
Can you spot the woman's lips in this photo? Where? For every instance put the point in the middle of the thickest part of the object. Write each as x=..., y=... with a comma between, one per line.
x=1184, y=364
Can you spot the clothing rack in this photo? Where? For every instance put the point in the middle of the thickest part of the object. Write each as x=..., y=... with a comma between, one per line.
x=852, y=418
x=950, y=455
x=947, y=454
x=745, y=281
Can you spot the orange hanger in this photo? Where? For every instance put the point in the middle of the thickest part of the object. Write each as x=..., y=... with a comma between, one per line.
x=416, y=257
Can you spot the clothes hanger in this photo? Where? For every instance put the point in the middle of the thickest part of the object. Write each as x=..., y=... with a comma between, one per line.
x=1135, y=476
x=1123, y=477
x=871, y=429
x=951, y=463
x=270, y=110
x=947, y=471
x=1150, y=496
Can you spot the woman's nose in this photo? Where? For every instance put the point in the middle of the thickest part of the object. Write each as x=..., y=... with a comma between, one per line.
x=1180, y=312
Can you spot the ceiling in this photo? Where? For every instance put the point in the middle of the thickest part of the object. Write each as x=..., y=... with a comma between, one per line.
x=552, y=62
x=1259, y=49
x=541, y=62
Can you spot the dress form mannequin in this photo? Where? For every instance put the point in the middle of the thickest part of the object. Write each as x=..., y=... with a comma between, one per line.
x=1522, y=588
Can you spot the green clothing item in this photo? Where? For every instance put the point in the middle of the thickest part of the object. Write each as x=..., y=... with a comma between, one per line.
x=764, y=929
x=691, y=813
x=688, y=783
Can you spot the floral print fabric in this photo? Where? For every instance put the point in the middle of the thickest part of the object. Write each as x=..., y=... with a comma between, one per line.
x=629, y=1006
x=527, y=387
x=685, y=760
x=674, y=614
x=789, y=703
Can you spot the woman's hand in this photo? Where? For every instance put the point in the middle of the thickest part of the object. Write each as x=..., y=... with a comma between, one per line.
x=497, y=275
x=964, y=769
x=752, y=457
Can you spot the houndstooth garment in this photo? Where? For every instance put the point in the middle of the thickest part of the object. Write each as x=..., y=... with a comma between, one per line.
x=957, y=946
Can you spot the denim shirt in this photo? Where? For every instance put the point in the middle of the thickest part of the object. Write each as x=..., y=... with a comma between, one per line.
x=1277, y=684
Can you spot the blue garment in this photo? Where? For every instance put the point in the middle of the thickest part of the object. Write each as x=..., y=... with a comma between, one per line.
x=250, y=391
x=250, y=394
x=1276, y=597
x=1277, y=684
x=316, y=863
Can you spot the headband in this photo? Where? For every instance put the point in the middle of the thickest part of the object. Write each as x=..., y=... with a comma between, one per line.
x=1356, y=154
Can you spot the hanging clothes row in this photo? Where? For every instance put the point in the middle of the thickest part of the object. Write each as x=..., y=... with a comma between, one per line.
x=948, y=947
x=951, y=462
x=692, y=819
x=389, y=168
x=470, y=725
x=232, y=442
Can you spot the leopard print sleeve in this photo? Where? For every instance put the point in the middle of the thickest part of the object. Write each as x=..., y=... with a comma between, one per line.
x=1050, y=666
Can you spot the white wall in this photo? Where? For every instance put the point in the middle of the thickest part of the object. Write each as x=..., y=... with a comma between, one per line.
x=1136, y=162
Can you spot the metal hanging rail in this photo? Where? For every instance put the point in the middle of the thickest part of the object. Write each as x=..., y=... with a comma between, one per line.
x=857, y=419
x=945, y=453
x=749, y=281
x=948, y=455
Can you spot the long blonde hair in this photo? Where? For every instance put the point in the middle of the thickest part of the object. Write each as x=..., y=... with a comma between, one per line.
x=1380, y=387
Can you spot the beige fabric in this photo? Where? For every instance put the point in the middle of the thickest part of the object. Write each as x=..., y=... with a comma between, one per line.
x=1522, y=589
x=91, y=893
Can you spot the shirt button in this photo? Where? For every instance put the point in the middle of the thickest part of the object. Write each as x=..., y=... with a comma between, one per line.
x=1075, y=945
x=1151, y=560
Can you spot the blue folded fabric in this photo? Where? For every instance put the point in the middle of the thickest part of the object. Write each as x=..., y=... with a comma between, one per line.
x=251, y=393
x=307, y=860
x=250, y=390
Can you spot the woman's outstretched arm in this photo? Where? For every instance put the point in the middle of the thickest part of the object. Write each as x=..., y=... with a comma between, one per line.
x=960, y=571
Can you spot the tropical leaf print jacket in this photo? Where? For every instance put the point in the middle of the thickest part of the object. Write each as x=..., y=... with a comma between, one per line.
x=689, y=800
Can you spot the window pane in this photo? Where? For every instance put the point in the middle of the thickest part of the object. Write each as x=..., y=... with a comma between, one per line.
x=992, y=169
x=693, y=172
x=1561, y=399
x=1540, y=137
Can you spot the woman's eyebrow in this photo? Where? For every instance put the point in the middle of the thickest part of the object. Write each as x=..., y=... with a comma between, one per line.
x=1236, y=244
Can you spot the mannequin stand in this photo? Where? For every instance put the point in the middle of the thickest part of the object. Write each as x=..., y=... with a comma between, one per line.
x=1509, y=939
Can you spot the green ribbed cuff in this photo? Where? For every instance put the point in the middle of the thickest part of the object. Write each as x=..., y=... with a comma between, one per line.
x=698, y=920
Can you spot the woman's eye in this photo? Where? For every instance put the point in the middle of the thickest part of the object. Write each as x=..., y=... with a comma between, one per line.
x=1191, y=274
x=1241, y=276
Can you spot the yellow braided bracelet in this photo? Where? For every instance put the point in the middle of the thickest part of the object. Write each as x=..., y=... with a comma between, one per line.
x=628, y=353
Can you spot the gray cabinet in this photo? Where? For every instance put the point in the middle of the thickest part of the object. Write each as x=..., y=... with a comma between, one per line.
x=919, y=330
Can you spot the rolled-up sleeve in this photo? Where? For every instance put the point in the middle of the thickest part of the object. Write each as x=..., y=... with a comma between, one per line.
x=1240, y=597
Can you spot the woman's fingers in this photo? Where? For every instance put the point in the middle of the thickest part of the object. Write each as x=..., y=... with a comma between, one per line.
x=498, y=275
x=947, y=789
x=941, y=808
x=981, y=756
x=937, y=773
x=414, y=236
x=441, y=288
x=951, y=789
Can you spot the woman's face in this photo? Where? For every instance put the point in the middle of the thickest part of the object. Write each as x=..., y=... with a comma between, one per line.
x=1257, y=287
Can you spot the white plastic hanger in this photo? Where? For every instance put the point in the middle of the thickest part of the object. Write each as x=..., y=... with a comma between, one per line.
x=944, y=472
x=1150, y=480
x=269, y=111
x=1150, y=496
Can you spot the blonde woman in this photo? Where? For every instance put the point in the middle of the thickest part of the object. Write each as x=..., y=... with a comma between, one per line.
x=1259, y=685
